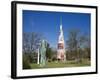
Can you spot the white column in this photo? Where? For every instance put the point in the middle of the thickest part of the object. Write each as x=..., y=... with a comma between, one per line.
x=38, y=57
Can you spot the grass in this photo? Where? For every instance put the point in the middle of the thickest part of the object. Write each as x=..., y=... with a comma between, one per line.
x=55, y=64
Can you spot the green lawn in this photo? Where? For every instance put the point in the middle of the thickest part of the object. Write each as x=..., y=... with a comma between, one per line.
x=56, y=64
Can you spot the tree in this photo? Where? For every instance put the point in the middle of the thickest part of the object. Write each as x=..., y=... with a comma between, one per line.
x=31, y=41
x=72, y=43
x=76, y=44
x=48, y=52
x=85, y=45
x=26, y=63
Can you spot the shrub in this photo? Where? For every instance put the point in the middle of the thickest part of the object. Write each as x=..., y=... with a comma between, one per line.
x=26, y=63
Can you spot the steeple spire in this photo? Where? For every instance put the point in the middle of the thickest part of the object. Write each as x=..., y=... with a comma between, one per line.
x=61, y=24
x=61, y=30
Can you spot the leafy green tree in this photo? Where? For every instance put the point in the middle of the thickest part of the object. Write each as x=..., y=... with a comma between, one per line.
x=48, y=52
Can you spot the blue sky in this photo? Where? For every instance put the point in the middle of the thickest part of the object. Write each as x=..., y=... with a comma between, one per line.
x=48, y=23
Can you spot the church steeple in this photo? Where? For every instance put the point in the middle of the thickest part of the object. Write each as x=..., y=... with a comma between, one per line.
x=61, y=37
x=60, y=47
x=61, y=25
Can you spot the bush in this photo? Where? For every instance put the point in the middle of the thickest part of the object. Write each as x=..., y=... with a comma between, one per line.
x=26, y=63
